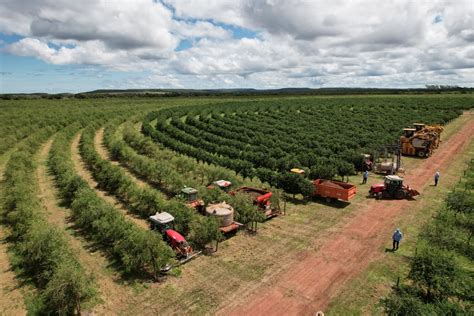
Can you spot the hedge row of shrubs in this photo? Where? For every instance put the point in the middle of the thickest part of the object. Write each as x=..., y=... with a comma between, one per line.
x=135, y=250
x=145, y=201
x=41, y=249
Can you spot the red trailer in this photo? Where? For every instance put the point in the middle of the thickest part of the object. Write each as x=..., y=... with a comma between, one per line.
x=331, y=189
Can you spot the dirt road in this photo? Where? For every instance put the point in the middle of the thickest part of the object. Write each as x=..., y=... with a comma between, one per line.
x=310, y=284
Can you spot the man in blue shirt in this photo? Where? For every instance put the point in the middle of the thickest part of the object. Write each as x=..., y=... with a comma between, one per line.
x=396, y=237
x=365, y=176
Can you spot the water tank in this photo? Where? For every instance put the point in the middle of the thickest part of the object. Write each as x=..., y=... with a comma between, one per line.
x=223, y=211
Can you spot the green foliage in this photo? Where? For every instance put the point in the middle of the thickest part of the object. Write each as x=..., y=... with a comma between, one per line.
x=435, y=271
x=68, y=288
x=134, y=249
x=441, y=278
x=266, y=137
x=295, y=184
x=204, y=231
x=246, y=211
x=42, y=250
x=461, y=201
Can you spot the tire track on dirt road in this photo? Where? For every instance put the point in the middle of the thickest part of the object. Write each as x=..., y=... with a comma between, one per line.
x=308, y=285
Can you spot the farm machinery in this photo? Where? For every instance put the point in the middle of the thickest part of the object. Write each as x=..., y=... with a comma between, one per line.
x=163, y=222
x=387, y=160
x=260, y=197
x=421, y=140
x=392, y=187
x=222, y=211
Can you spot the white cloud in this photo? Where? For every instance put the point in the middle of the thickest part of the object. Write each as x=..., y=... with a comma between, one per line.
x=300, y=42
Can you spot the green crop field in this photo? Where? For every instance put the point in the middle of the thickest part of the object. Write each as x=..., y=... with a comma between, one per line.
x=76, y=234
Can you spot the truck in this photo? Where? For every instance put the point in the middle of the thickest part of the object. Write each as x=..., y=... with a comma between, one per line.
x=392, y=187
x=334, y=190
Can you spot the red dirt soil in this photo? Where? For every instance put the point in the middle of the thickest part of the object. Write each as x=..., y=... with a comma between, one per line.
x=309, y=284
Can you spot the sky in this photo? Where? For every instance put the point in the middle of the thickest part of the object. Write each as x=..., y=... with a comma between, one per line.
x=73, y=46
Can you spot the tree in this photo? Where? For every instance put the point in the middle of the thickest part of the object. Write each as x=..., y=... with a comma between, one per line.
x=434, y=271
x=345, y=168
x=247, y=212
x=295, y=183
x=203, y=231
x=68, y=289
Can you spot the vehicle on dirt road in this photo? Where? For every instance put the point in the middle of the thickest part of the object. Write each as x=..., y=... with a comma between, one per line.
x=392, y=187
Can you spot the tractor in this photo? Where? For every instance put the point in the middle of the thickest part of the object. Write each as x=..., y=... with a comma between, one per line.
x=191, y=197
x=392, y=187
x=163, y=222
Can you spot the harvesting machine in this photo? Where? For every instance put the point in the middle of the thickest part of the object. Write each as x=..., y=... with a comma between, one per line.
x=421, y=140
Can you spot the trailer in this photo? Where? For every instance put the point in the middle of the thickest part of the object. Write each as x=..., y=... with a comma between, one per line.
x=334, y=190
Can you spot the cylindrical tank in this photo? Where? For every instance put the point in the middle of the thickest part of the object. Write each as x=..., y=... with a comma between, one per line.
x=223, y=211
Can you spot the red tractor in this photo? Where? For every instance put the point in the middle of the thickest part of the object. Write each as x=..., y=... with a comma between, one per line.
x=392, y=187
x=163, y=222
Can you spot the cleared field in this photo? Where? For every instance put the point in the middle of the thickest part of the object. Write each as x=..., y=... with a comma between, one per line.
x=97, y=179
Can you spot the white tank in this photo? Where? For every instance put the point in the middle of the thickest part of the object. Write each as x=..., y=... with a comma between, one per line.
x=223, y=211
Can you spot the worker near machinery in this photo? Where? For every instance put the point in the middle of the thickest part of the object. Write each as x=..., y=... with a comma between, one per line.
x=396, y=237
x=365, y=176
x=436, y=178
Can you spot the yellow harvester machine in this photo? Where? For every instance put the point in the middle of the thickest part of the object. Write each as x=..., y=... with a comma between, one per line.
x=421, y=140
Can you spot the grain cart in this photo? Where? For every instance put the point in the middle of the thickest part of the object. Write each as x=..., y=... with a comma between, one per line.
x=421, y=140
x=392, y=187
x=163, y=222
x=334, y=190
x=261, y=198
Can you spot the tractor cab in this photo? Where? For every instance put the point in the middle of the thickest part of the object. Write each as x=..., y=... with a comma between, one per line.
x=393, y=183
x=162, y=222
x=190, y=195
x=419, y=126
x=409, y=132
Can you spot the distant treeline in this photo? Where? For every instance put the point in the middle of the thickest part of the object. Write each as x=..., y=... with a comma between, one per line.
x=161, y=93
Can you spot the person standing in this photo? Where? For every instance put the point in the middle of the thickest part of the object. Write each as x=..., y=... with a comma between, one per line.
x=396, y=237
x=436, y=178
x=365, y=176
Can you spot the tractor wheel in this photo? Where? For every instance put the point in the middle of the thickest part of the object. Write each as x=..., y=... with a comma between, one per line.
x=400, y=195
x=421, y=154
x=379, y=195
